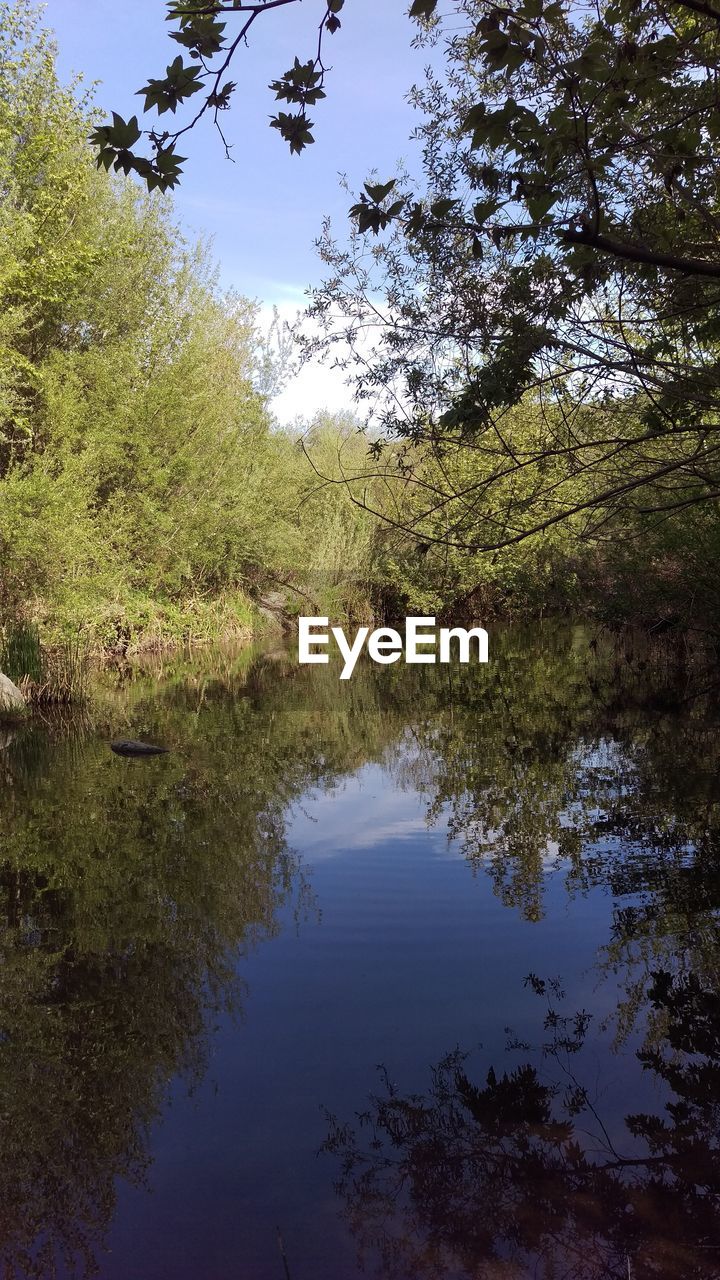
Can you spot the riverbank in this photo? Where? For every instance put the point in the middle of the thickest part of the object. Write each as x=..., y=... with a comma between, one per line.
x=51, y=661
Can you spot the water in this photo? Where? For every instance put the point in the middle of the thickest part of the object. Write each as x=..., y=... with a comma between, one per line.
x=417, y=972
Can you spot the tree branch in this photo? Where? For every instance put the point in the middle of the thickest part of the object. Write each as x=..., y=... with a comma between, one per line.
x=637, y=253
x=700, y=6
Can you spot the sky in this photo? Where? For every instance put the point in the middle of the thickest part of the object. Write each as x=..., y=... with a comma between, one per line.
x=264, y=211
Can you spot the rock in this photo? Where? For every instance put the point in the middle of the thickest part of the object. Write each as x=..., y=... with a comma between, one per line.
x=12, y=702
x=137, y=749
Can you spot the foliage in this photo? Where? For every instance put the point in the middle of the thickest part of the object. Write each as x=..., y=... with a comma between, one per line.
x=542, y=314
x=123, y=935
x=198, y=27
x=146, y=494
x=519, y=1174
x=141, y=476
x=21, y=652
x=47, y=677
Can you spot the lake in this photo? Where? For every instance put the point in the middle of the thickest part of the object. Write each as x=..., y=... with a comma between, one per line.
x=414, y=975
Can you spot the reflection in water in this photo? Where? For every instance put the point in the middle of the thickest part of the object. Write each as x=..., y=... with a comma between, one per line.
x=130, y=890
x=520, y=1176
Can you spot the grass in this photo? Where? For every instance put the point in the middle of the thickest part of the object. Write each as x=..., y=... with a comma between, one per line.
x=55, y=676
x=21, y=653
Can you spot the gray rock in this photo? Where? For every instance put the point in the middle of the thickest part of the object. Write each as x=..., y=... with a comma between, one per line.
x=129, y=748
x=12, y=702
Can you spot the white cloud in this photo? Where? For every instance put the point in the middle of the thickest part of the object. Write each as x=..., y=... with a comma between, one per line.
x=316, y=386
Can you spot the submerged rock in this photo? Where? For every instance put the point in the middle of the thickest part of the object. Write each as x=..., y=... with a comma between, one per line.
x=12, y=702
x=128, y=748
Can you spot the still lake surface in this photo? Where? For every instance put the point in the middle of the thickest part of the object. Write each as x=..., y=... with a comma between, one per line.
x=417, y=973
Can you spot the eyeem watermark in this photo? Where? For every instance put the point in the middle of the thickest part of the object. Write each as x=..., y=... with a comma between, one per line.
x=423, y=643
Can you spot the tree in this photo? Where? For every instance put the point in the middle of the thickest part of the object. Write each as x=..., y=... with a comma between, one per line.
x=563, y=254
x=544, y=316
x=142, y=485
x=116, y=967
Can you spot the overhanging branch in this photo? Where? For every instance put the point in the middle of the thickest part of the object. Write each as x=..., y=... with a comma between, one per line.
x=638, y=253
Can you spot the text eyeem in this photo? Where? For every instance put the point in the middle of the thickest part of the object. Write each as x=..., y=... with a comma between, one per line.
x=423, y=642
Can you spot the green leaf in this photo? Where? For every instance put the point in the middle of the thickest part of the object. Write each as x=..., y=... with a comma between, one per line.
x=539, y=205
x=295, y=129
x=483, y=210
x=121, y=134
x=475, y=116
x=201, y=34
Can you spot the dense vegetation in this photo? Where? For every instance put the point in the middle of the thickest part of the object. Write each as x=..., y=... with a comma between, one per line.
x=143, y=489
x=547, y=346
x=542, y=447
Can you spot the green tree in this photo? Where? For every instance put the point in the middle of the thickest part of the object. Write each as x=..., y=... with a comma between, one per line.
x=141, y=476
x=562, y=257
x=519, y=1174
x=128, y=899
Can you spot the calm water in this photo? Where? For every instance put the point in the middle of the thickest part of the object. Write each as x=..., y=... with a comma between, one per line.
x=417, y=973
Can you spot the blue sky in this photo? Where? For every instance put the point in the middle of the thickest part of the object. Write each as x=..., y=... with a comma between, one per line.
x=264, y=211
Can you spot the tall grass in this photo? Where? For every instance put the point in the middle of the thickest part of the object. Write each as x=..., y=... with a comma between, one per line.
x=54, y=676
x=66, y=674
x=21, y=653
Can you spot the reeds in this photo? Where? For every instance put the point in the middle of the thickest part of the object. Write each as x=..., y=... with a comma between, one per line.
x=21, y=653
x=54, y=676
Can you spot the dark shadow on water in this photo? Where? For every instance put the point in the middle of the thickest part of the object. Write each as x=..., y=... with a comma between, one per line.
x=515, y=1173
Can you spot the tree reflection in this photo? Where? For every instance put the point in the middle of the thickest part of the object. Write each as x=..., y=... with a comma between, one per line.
x=520, y=1176
x=128, y=892
x=600, y=764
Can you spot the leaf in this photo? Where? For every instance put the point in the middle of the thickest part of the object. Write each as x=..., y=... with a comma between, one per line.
x=475, y=116
x=181, y=82
x=441, y=208
x=423, y=8
x=201, y=34
x=378, y=191
x=539, y=205
x=121, y=133
x=221, y=99
x=483, y=210
x=295, y=129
